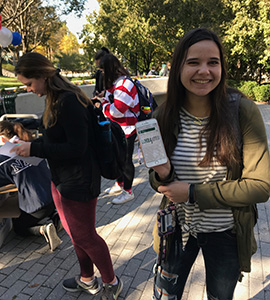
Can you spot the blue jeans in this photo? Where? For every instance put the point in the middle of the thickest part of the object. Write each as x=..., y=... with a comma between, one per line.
x=221, y=266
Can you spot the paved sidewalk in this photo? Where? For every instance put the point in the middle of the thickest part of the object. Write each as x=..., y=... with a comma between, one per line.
x=28, y=270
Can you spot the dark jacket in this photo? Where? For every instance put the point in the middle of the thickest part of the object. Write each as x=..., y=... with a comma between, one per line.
x=99, y=86
x=33, y=182
x=68, y=146
x=243, y=188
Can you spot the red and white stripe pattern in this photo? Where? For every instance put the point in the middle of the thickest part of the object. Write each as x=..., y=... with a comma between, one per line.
x=126, y=101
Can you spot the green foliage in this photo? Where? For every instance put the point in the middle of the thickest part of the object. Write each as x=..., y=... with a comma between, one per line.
x=76, y=6
x=144, y=33
x=247, y=87
x=247, y=38
x=68, y=44
x=7, y=82
x=254, y=91
x=9, y=67
x=75, y=78
x=87, y=78
x=35, y=22
x=233, y=83
x=73, y=62
x=262, y=93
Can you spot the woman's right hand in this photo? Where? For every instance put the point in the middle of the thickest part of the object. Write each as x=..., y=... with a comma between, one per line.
x=22, y=149
x=101, y=94
x=176, y=191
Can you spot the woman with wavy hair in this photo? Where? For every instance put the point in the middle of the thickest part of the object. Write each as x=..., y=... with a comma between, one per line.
x=121, y=105
x=67, y=143
x=218, y=169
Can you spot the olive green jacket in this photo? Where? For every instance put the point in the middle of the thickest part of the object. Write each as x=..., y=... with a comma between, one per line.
x=243, y=187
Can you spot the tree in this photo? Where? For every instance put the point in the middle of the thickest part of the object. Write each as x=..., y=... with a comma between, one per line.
x=35, y=23
x=247, y=39
x=68, y=44
x=11, y=10
x=68, y=6
x=9, y=16
x=145, y=32
x=51, y=48
x=73, y=62
x=125, y=27
x=35, y=20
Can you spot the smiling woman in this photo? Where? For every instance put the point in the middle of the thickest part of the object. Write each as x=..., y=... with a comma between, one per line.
x=216, y=173
x=201, y=74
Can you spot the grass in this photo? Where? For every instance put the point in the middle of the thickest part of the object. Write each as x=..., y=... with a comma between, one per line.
x=8, y=82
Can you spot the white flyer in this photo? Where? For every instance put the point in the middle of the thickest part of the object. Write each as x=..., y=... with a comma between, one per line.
x=5, y=150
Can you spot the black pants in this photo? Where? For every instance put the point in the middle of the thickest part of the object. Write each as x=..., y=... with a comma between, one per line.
x=129, y=169
x=219, y=250
x=27, y=223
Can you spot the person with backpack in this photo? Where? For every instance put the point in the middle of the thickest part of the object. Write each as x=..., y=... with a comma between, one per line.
x=33, y=202
x=68, y=143
x=121, y=105
x=218, y=169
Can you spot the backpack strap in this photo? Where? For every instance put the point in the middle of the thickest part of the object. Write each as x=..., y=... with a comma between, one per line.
x=234, y=102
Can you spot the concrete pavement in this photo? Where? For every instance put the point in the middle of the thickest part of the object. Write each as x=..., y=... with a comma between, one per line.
x=28, y=270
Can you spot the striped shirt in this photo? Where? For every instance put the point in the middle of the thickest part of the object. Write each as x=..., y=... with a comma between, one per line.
x=185, y=159
x=126, y=101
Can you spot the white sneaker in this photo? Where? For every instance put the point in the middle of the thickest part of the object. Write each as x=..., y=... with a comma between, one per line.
x=51, y=236
x=123, y=197
x=116, y=188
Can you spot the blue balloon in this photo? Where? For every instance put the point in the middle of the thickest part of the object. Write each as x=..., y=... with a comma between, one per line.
x=16, y=38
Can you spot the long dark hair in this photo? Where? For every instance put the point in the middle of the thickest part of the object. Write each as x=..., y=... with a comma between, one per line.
x=112, y=69
x=9, y=129
x=219, y=130
x=100, y=53
x=35, y=65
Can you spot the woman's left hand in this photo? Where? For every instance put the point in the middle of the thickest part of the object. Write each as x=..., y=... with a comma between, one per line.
x=176, y=191
x=23, y=149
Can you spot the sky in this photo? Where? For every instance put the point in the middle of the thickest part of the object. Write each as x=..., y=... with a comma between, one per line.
x=75, y=24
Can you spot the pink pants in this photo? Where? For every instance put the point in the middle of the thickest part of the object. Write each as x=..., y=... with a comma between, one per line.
x=79, y=221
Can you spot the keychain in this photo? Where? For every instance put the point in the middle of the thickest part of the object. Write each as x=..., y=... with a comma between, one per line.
x=166, y=220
